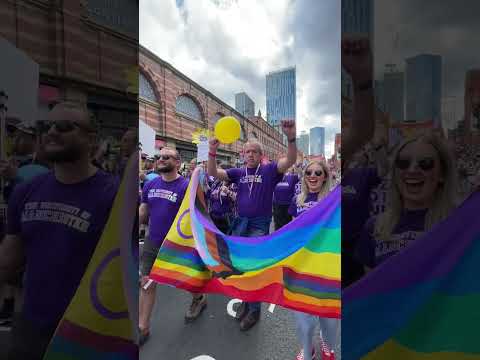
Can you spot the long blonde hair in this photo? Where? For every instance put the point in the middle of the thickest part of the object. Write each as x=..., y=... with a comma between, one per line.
x=444, y=200
x=325, y=189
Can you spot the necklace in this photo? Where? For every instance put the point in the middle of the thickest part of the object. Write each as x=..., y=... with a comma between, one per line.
x=250, y=186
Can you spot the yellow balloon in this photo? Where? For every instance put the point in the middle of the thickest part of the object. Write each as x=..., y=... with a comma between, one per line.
x=227, y=130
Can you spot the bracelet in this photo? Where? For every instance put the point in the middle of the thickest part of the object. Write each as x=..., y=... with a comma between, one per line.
x=212, y=154
x=292, y=140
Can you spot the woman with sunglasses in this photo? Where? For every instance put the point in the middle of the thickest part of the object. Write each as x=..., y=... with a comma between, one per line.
x=421, y=193
x=316, y=184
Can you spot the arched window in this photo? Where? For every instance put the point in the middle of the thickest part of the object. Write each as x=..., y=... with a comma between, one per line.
x=146, y=89
x=216, y=117
x=187, y=107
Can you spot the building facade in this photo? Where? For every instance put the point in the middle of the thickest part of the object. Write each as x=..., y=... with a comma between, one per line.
x=84, y=49
x=472, y=105
x=244, y=105
x=176, y=106
x=424, y=88
x=281, y=96
x=317, y=141
x=393, y=95
x=303, y=143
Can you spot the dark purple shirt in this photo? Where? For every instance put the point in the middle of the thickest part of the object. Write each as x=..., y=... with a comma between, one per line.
x=296, y=210
x=285, y=190
x=163, y=199
x=356, y=187
x=371, y=251
x=259, y=202
x=59, y=226
x=220, y=203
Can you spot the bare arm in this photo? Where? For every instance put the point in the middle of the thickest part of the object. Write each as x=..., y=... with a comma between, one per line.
x=11, y=257
x=212, y=169
x=143, y=213
x=288, y=127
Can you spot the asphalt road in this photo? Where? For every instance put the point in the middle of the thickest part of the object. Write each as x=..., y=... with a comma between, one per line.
x=216, y=334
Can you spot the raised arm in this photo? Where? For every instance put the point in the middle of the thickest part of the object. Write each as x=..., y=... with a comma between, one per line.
x=289, y=129
x=357, y=61
x=212, y=169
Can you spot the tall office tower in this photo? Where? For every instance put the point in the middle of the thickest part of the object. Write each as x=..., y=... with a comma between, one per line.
x=393, y=95
x=317, y=141
x=424, y=88
x=244, y=105
x=281, y=96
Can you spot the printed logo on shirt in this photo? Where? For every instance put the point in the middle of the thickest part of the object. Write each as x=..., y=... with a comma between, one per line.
x=59, y=213
x=283, y=184
x=349, y=189
x=251, y=179
x=163, y=194
x=397, y=243
x=305, y=207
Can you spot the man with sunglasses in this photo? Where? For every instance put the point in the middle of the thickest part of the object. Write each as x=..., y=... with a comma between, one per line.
x=54, y=224
x=161, y=200
x=255, y=183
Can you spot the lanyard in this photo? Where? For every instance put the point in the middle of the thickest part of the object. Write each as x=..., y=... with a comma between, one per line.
x=250, y=186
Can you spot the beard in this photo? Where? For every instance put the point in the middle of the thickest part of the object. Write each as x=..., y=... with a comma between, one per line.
x=68, y=153
x=165, y=169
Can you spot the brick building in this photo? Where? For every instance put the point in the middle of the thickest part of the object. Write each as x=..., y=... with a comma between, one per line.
x=175, y=106
x=84, y=50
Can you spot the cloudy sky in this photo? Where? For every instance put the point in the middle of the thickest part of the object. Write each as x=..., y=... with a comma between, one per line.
x=441, y=27
x=228, y=46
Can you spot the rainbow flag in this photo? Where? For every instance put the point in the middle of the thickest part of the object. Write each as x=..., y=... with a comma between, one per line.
x=100, y=321
x=423, y=303
x=297, y=267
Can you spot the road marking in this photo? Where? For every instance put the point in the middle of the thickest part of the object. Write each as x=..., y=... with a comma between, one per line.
x=271, y=308
x=230, y=307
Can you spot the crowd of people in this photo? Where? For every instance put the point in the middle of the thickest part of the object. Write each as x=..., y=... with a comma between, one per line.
x=59, y=185
x=249, y=201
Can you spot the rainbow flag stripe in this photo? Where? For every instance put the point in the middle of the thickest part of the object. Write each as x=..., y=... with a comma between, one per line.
x=297, y=267
x=421, y=304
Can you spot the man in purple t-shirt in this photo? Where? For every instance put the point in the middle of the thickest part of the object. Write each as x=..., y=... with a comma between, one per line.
x=54, y=224
x=161, y=200
x=256, y=183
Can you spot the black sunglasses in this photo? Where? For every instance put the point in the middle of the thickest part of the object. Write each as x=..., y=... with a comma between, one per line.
x=425, y=164
x=63, y=126
x=317, y=173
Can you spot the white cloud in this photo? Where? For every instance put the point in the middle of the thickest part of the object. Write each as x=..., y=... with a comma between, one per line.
x=228, y=46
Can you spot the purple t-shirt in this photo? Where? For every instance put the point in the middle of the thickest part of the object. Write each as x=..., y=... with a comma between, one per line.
x=356, y=187
x=59, y=226
x=296, y=210
x=262, y=183
x=220, y=203
x=371, y=251
x=285, y=190
x=163, y=199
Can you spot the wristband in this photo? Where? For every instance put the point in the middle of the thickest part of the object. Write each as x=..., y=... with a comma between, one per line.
x=292, y=140
x=212, y=154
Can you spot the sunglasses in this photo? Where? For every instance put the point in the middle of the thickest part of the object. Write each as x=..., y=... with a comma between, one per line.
x=317, y=173
x=425, y=164
x=166, y=157
x=64, y=126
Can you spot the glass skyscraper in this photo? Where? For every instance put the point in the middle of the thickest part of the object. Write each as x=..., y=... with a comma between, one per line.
x=317, y=141
x=424, y=88
x=281, y=96
x=244, y=105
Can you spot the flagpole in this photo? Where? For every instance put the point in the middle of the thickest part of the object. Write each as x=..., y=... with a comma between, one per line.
x=3, y=120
